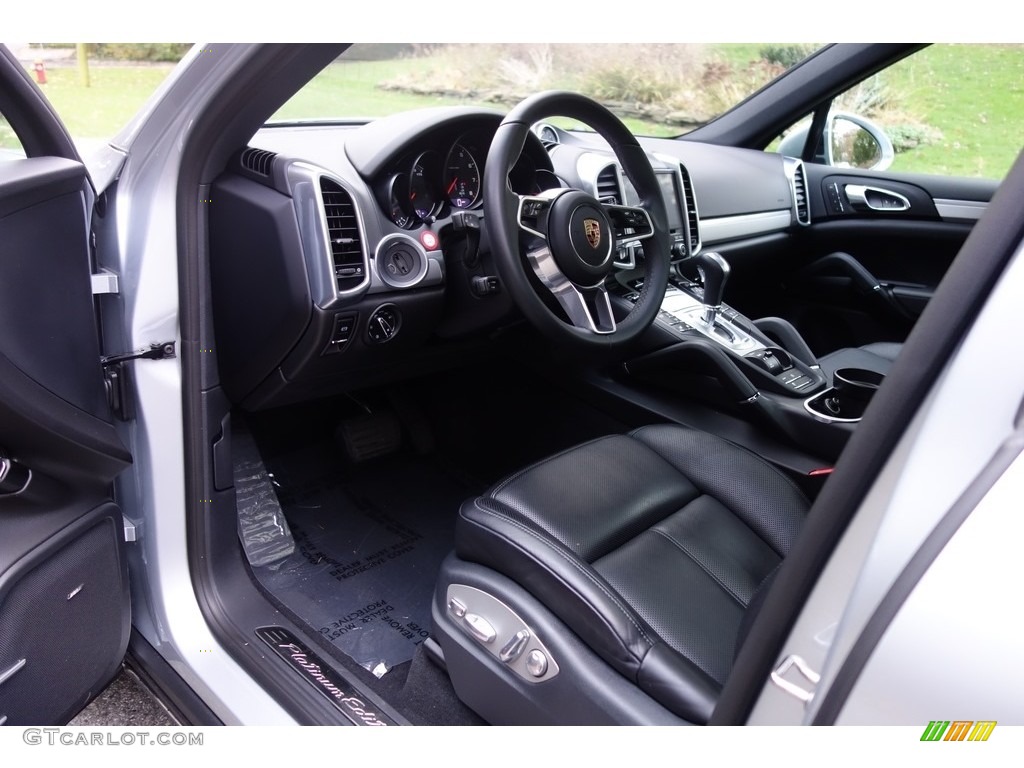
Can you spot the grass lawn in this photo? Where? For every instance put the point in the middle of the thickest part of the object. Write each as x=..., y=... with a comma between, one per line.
x=973, y=95
x=115, y=94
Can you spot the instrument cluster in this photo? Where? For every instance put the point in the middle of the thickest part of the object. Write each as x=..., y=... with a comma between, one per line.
x=434, y=182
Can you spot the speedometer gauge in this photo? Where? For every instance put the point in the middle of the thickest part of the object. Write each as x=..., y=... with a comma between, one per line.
x=461, y=177
x=422, y=195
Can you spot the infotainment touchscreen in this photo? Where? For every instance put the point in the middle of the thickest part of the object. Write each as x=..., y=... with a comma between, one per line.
x=669, y=189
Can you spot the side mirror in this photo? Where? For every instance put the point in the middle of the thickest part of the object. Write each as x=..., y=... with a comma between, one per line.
x=851, y=141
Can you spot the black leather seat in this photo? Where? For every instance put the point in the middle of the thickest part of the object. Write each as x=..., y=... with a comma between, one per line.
x=648, y=546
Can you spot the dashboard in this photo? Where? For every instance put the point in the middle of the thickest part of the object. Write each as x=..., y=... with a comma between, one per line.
x=347, y=254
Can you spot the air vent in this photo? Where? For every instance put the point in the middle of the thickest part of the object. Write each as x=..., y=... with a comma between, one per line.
x=258, y=160
x=800, y=203
x=608, y=190
x=692, y=220
x=343, y=233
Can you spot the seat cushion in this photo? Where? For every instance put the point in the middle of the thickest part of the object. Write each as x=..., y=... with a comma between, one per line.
x=649, y=546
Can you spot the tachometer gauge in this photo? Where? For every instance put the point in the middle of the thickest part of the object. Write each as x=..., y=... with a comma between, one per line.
x=461, y=177
x=423, y=198
x=398, y=195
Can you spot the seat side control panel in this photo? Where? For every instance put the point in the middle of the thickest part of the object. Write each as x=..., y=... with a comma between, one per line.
x=501, y=632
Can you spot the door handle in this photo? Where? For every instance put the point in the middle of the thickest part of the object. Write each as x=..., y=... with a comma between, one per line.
x=864, y=197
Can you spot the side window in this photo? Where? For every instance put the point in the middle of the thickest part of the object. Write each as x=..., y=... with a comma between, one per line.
x=10, y=146
x=948, y=109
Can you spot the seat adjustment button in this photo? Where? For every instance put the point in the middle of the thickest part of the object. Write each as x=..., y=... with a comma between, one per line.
x=514, y=648
x=457, y=609
x=536, y=663
x=480, y=628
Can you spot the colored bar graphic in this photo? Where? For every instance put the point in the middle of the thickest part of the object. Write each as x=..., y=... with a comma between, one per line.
x=934, y=730
x=958, y=730
x=982, y=730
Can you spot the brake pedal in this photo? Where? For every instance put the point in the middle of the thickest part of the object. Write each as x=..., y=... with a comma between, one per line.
x=370, y=435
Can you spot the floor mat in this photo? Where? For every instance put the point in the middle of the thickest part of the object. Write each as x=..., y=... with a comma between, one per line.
x=369, y=540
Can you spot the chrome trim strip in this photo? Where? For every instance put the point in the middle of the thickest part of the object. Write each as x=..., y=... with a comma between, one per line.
x=734, y=227
x=8, y=673
x=822, y=417
x=791, y=166
x=968, y=210
x=570, y=298
x=314, y=174
x=683, y=179
x=792, y=688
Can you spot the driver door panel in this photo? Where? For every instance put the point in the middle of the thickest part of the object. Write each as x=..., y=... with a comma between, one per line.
x=64, y=603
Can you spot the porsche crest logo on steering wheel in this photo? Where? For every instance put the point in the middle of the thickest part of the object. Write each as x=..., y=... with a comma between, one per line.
x=592, y=229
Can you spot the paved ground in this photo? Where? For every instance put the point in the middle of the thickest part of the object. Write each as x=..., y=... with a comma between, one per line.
x=125, y=702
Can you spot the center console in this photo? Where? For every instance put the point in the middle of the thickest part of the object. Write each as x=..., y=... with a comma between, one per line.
x=760, y=368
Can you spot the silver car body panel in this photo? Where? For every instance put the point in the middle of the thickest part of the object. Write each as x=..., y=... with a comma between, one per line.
x=970, y=669
x=152, y=492
x=931, y=467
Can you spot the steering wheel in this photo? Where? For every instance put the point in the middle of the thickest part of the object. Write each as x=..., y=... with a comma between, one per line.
x=568, y=238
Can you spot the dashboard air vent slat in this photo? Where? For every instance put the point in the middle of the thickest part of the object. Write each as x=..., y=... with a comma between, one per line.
x=692, y=219
x=258, y=160
x=608, y=190
x=800, y=202
x=350, y=268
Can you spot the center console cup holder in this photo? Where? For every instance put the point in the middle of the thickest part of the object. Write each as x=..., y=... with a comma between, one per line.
x=846, y=400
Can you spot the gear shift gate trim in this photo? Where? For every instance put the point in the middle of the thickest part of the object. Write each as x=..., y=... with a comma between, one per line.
x=689, y=312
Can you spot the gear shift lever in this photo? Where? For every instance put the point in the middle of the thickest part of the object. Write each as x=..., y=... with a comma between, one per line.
x=714, y=271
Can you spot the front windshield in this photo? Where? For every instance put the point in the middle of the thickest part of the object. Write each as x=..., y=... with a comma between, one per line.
x=656, y=89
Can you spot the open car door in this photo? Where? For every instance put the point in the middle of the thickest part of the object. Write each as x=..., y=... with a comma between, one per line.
x=64, y=604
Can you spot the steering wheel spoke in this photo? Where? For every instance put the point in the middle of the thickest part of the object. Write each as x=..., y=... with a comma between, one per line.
x=631, y=224
x=533, y=213
x=587, y=308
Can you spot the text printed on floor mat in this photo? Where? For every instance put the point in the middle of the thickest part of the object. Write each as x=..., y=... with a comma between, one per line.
x=376, y=611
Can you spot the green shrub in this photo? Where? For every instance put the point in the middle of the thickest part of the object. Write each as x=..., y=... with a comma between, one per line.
x=140, y=51
x=907, y=136
x=786, y=55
